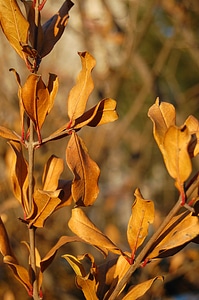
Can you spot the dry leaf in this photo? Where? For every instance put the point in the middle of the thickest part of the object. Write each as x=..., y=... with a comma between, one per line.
x=20, y=273
x=54, y=28
x=53, y=85
x=181, y=230
x=82, y=226
x=8, y=134
x=86, y=172
x=48, y=258
x=52, y=171
x=79, y=94
x=163, y=116
x=19, y=175
x=193, y=126
x=176, y=156
x=142, y=216
x=65, y=195
x=75, y=264
x=104, y=112
x=140, y=289
x=14, y=25
x=43, y=206
x=88, y=287
x=5, y=248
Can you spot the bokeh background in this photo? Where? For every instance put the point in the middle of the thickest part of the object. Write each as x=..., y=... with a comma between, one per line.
x=144, y=49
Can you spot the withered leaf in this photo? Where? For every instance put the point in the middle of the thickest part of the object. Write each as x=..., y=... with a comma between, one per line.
x=13, y=24
x=82, y=226
x=5, y=248
x=43, y=206
x=19, y=174
x=163, y=116
x=86, y=172
x=193, y=125
x=52, y=171
x=140, y=289
x=79, y=94
x=88, y=286
x=176, y=156
x=54, y=28
x=76, y=264
x=53, y=85
x=104, y=112
x=8, y=134
x=65, y=195
x=181, y=230
x=142, y=216
x=48, y=258
x=20, y=272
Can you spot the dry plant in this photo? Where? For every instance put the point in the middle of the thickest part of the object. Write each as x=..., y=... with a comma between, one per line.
x=178, y=145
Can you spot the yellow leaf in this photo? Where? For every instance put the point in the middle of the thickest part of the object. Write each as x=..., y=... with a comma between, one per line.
x=79, y=94
x=104, y=112
x=8, y=134
x=88, y=287
x=163, y=116
x=82, y=226
x=53, y=85
x=5, y=248
x=140, y=289
x=176, y=154
x=142, y=215
x=75, y=264
x=14, y=25
x=86, y=172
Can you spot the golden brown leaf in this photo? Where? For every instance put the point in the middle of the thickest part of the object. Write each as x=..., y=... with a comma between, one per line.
x=48, y=258
x=104, y=112
x=52, y=171
x=8, y=134
x=13, y=24
x=19, y=175
x=65, y=195
x=180, y=230
x=5, y=248
x=193, y=126
x=79, y=94
x=82, y=226
x=53, y=85
x=88, y=287
x=176, y=154
x=35, y=97
x=43, y=206
x=20, y=272
x=142, y=216
x=86, y=172
x=163, y=116
x=140, y=289
x=75, y=264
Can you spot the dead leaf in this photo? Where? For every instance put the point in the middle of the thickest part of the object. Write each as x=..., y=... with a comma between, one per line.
x=140, y=289
x=8, y=134
x=52, y=171
x=48, y=258
x=193, y=125
x=20, y=273
x=88, y=287
x=163, y=116
x=5, y=248
x=82, y=226
x=79, y=94
x=176, y=156
x=14, y=25
x=104, y=112
x=43, y=206
x=75, y=264
x=142, y=216
x=19, y=175
x=65, y=195
x=86, y=172
x=181, y=230
x=54, y=28
x=53, y=85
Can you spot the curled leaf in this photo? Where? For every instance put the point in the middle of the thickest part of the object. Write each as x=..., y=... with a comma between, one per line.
x=104, y=112
x=86, y=172
x=193, y=125
x=52, y=171
x=8, y=134
x=82, y=226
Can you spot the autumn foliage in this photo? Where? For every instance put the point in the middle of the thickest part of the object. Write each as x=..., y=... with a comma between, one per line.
x=39, y=200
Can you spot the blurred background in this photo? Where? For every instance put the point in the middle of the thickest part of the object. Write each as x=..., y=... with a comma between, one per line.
x=143, y=49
